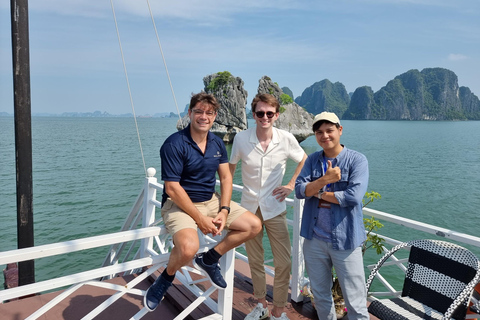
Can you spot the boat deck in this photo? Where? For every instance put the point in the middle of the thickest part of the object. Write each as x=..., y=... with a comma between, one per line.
x=178, y=297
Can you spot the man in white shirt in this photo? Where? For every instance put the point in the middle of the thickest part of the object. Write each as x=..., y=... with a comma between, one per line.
x=264, y=151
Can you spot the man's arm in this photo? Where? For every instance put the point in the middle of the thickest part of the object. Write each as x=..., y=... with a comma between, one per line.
x=232, y=167
x=283, y=191
x=329, y=197
x=298, y=169
x=357, y=183
x=226, y=187
x=226, y=184
x=332, y=175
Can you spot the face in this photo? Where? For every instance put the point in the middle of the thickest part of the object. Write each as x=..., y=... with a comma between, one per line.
x=328, y=136
x=201, y=117
x=264, y=121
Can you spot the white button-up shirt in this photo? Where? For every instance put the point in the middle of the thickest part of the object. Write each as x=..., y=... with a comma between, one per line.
x=263, y=171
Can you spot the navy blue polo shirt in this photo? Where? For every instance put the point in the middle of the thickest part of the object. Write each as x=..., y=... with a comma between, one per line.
x=184, y=162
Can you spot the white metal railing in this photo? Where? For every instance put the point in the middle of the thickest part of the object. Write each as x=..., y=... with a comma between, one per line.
x=149, y=245
x=143, y=241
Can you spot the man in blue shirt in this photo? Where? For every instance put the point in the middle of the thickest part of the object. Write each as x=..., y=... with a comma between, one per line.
x=333, y=182
x=190, y=160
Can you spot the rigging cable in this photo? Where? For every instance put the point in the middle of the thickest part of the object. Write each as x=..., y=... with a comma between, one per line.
x=128, y=85
x=164, y=62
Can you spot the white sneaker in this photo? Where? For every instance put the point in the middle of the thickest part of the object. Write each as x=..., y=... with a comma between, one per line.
x=258, y=313
x=283, y=316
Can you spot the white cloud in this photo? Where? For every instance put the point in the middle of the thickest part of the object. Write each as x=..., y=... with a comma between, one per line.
x=456, y=57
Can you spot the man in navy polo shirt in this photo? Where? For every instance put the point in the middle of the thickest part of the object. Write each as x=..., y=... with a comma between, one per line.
x=190, y=159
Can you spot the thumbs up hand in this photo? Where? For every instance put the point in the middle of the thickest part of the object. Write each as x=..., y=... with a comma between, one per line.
x=332, y=174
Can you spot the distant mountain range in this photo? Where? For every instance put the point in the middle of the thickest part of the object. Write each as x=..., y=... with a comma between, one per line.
x=96, y=114
x=430, y=94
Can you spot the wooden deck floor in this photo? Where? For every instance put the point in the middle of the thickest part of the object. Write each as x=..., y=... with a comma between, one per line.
x=87, y=298
x=243, y=301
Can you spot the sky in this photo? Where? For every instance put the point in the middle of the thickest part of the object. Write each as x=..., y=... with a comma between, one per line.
x=76, y=61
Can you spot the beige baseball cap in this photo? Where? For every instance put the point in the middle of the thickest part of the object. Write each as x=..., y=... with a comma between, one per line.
x=328, y=116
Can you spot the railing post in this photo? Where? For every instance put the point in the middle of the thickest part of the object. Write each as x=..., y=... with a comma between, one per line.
x=298, y=264
x=148, y=210
x=225, y=296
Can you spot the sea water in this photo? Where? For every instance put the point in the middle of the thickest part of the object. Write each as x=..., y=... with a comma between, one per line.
x=87, y=173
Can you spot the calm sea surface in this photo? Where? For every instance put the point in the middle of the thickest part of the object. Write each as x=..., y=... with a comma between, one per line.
x=87, y=173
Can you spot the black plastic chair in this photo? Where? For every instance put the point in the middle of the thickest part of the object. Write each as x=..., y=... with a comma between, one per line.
x=438, y=284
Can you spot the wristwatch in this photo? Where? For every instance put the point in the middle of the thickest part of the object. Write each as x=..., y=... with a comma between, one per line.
x=319, y=195
x=226, y=208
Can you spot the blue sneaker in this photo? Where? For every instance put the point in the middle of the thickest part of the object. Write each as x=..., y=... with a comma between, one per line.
x=212, y=271
x=155, y=293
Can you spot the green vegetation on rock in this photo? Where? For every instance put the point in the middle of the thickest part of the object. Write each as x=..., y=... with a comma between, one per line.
x=222, y=79
x=285, y=99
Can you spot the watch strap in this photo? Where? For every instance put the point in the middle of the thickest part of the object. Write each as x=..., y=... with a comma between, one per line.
x=226, y=208
x=319, y=195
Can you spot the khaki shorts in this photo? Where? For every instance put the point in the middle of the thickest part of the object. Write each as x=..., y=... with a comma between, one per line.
x=176, y=219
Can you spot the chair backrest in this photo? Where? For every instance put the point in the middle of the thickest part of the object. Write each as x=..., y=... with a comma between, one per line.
x=438, y=272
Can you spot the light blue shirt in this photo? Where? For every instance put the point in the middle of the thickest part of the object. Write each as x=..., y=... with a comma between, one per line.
x=323, y=226
x=348, y=231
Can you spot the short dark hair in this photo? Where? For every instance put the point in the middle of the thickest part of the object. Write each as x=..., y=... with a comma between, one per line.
x=206, y=98
x=266, y=98
x=318, y=124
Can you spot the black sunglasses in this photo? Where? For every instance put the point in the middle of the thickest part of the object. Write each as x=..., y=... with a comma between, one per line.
x=260, y=114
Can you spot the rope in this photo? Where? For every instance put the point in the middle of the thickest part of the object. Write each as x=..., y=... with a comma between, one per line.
x=163, y=57
x=128, y=85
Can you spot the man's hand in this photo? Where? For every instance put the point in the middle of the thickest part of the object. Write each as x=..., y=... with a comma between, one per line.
x=280, y=193
x=332, y=175
x=220, y=221
x=207, y=225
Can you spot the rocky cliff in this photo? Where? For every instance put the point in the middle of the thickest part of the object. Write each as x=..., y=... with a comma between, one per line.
x=266, y=85
x=470, y=103
x=293, y=118
x=325, y=96
x=362, y=105
x=232, y=97
x=432, y=94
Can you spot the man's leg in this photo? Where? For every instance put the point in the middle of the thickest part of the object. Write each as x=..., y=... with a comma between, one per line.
x=256, y=258
x=349, y=268
x=243, y=228
x=319, y=269
x=242, y=225
x=186, y=245
x=255, y=252
x=277, y=231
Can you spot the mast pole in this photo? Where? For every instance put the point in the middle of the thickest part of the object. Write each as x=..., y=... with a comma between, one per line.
x=23, y=134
